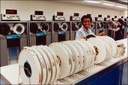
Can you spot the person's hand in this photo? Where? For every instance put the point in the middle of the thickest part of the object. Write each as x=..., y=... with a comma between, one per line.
x=102, y=34
x=85, y=38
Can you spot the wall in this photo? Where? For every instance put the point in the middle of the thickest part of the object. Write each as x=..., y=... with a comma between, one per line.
x=25, y=8
x=124, y=13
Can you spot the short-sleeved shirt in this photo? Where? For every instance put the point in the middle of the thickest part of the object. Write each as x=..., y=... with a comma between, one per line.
x=119, y=33
x=82, y=32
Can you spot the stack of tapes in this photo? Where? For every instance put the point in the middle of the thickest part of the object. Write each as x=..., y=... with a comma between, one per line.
x=46, y=64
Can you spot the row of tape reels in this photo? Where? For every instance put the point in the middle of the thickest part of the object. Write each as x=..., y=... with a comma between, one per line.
x=46, y=64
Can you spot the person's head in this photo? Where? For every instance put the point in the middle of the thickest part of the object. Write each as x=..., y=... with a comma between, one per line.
x=120, y=21
x=86, y=21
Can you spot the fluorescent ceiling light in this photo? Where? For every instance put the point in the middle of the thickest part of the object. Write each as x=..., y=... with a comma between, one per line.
x=126, y=1
x=108, y=4
x=121, y=7
x=95, y=2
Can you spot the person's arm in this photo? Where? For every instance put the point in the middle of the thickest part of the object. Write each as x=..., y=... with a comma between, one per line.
x=117, y=29
x=85, y=37
x=101, y=34
x=79, y=35
x=114, y=23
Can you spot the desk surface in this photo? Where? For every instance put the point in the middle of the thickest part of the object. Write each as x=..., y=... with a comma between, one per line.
x=11, y=72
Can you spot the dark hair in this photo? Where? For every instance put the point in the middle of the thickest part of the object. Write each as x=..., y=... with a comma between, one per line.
x=121, y=21
x=108, y=16
x=86, y=16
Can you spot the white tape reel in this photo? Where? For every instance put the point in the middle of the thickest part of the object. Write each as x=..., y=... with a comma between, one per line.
x=90, y=53
x=77, y=25
x=75, y=55
x=42, y=58
x=113, y=45
x=71, y=58
x=65, y=65
x=28, y=62
x=61, y=26
x=107, y=46
x=19, y=29
x=56, y=63
x=52, y=62
x=42, y=54
x=81, y=54
x=84, y=49
x=99, y=48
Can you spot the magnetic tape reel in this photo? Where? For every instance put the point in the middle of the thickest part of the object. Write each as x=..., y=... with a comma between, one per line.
x=44, y=27
x=77, y=25
x=113, y=45
x=62, y=54
x=81, y=54
x=107, y=46
x=56, y=63
x=4, y=29
x=28, y=62
x=100, y=51
x=18, y=28
x=34, y=28
x=71, y=58
x=84, y=48
x=43, y=59
x=39, y=27
x=41, y=55
x=90, y=53
x=11, y=26
x=75, y=55
x=63, y=26
x=52, y=62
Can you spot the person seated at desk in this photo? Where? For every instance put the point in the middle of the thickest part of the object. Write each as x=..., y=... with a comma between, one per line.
x=85, y=30
x=119, y=29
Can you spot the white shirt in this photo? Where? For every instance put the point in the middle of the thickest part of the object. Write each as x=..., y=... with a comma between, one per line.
x=82, y=32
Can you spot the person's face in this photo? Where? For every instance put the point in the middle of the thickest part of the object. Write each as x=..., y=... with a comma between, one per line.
x=86, y=23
